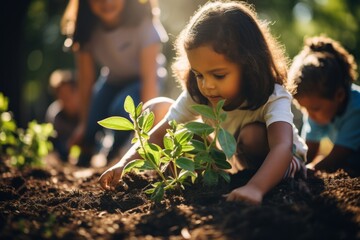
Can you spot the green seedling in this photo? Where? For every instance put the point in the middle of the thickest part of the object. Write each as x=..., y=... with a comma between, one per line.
x=182, y=157
x=24, y=147
x=209, y=160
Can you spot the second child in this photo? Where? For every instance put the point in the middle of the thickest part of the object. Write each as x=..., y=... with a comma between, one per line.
x=322, y=81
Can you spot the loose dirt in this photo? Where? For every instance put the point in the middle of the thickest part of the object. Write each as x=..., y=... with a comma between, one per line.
x=62, y=201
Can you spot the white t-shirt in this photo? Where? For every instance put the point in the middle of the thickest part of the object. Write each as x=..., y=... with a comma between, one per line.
x=119, y=49
x=277, y=108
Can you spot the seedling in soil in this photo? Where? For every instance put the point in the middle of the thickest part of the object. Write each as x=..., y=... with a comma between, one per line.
x=183, y=156
x=209, y=160
x=25, y=147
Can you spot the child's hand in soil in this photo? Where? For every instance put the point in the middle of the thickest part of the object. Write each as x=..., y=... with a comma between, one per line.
x=245, y=193
x=110, y=178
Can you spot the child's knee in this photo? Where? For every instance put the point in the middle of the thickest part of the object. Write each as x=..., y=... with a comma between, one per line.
x=253, y=136
x=253, y=144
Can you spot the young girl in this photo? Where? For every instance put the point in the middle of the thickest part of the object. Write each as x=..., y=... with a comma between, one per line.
x=225, y=52
x=321, y=78
x=123, y=38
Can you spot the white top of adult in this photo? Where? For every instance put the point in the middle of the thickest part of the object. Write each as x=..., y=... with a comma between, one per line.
x=119, y=49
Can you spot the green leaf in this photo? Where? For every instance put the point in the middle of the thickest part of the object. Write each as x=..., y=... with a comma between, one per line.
x=144, y=135
x=183, y=136
x=134, y=140
x=139, y=109
x=210, y=178
x=177, y=150
x=222, y=117
x=205, y=111
x=185, y=173
x=227, y=143
x=222, y=164
x=187, y=148
x=220, y=159
x=185, y=163
x=168, y=142
x=154, y=152
x=198, y=146
x=201, y=129
x=148, y=122
x=220, y=105
x=117, y=123
x=217, y=154
x=165, y=159
x=150, y=190
x=172, y=124
x=158, y=193
x=147, y=166
x=225, y=176
x=167, y=153
x=129, y=105
x=138, y=163
x=42, y=149
x=203, y=157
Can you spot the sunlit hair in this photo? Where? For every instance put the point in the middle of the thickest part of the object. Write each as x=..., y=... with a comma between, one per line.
x=78, y=20
x=321, y=68
x=233, y=30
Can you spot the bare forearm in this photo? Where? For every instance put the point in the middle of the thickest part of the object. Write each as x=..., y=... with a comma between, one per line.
x=86, y=79
x=148, y=72
x=272, y=170
x=129, y=156
x=150, y=89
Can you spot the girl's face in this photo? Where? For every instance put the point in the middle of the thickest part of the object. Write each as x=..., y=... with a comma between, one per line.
x=217, y=77
x=108, y=11
x=321, y=110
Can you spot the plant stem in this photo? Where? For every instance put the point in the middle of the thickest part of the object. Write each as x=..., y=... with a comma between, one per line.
x=138, y=132
x=175, y=169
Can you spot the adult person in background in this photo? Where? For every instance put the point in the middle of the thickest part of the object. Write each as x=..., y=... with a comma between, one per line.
x=123, y=38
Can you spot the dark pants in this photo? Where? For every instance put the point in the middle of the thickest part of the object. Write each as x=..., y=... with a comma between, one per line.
x=108, y=100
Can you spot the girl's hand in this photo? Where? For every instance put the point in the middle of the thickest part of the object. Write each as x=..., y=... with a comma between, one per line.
x=110, y=178
x=246, y=193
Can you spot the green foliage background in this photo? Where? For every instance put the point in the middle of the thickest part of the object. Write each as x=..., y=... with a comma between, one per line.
x=290, y=20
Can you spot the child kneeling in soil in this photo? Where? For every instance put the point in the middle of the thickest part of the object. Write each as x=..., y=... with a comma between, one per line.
x=321, y=78
x=63, y=113
x=226, y=53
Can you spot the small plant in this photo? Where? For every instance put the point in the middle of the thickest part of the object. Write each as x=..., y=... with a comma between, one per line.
x=208, y=158
x=25, y=147
x=183, y=156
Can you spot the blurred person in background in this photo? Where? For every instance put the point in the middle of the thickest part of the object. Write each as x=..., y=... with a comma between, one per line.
x=124, y=39
x=63, y=113
x=322, y=79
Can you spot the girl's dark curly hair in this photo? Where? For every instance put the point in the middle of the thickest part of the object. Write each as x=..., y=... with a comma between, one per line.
x=231, y=28
x=321, y=68
x=84, y=21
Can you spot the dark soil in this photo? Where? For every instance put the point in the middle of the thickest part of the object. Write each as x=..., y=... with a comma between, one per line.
x=65, y=202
